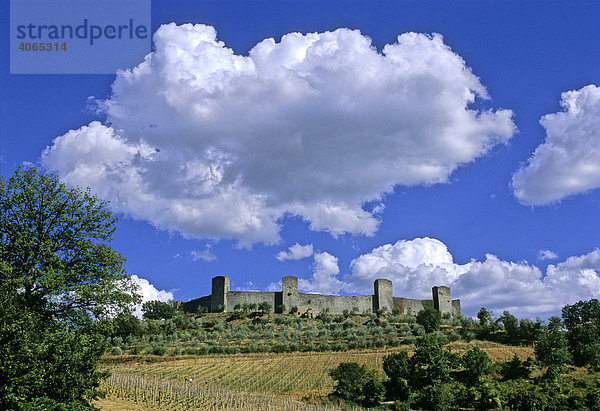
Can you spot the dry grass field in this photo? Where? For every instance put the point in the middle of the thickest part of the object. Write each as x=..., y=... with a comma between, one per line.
x=294, y=381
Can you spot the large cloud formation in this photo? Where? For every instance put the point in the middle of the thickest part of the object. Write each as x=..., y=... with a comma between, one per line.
x=416, y=265
x=213, y=144
x=568, y=162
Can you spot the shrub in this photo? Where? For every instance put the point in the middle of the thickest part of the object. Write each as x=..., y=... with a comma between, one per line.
x=116, y=351
x=159, y=349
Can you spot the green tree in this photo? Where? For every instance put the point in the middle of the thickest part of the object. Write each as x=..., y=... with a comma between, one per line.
x=59, y=278
x=552, y=349
x=431, y=362
x=264, y=307
x=350, y=379
x=582, y=321
x=158, y=310
x=430, y=319
x=398, y=368
x=476, y=364
x=511, y=325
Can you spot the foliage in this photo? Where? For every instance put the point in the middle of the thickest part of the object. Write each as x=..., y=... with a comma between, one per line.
x=430, y=319
x=398, y=369
x=516, y=369
x=350, y=379
x=552, y=349
x=476, y=364
x=158, y=310
x=582, y=321
x=57, y=273
x=511, y=325
x=431, y=362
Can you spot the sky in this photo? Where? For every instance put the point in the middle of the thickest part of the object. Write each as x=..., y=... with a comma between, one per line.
x=430, y=143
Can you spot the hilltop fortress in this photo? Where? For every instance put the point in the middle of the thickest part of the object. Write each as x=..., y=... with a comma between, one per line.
x=305, y=304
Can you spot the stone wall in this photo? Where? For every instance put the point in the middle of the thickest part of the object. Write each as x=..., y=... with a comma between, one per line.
x=288, y=298
x=334, y=304
x=253, y=297
x=408, y=305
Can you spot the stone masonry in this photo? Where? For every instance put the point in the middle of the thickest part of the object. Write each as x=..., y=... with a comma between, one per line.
x=289, y=299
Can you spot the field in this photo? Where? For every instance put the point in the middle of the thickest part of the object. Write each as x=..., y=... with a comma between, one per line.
x=295, y=381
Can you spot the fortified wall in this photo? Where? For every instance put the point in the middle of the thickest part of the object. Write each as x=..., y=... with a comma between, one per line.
x=289, y=299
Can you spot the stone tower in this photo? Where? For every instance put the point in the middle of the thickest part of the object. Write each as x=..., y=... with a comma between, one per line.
x=218, y=299
x=441, y=299
x=289, y=291
x=383, y=299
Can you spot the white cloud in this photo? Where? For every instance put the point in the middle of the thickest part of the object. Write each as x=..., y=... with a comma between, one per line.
x=323, y=279
x=547, y=255
x=295, y=252
x=148, y=293
x=205, y=255
x=213, y=144
x=568, y=162
x=416, y=265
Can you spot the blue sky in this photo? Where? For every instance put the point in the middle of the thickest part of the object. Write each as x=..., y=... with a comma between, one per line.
x=416, y=164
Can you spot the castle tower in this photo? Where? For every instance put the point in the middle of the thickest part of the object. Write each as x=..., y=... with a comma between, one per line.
x=289, y=291
x=218, y=298
x=441, y=299
x=383, y=299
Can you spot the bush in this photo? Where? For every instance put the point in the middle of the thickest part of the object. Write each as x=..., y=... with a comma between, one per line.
x=116, y=351
x=159, y=349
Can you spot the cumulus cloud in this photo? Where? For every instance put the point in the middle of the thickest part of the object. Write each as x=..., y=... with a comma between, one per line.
x=568, y=162
x=200, y=140
x=547, y=255
x=416, y=265
x=149, y=293
x=324, y=277
x=295, y=252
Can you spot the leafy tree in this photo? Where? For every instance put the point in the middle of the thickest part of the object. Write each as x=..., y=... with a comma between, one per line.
x=350, y=379
x=552, y=349
x=398, y=368
x=126, y=324
x=476, y=364
x=511, y=325
x=57, y=273
x=264, y=307
x=430, y=319
x=158, y=310
x=431, y=362
x=530, y=330
x=516, y=369
x=357, y=384
x=582, y=321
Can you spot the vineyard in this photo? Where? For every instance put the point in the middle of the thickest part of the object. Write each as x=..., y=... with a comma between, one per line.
x=294, y=381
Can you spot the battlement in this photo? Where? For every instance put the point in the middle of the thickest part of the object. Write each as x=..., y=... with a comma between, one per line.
x=290, y=300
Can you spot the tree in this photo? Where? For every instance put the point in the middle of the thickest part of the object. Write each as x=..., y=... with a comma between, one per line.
x=59, y=278
x=511, y=325
x=476, y=364
x=398, y=368
x=158, y=310
x=357, y=384
x=582, y=321
x=264, y=307
x=430, y=319
x=350, y=379
x=552, y=349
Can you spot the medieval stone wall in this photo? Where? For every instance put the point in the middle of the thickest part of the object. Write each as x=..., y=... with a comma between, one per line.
x=289, y=298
